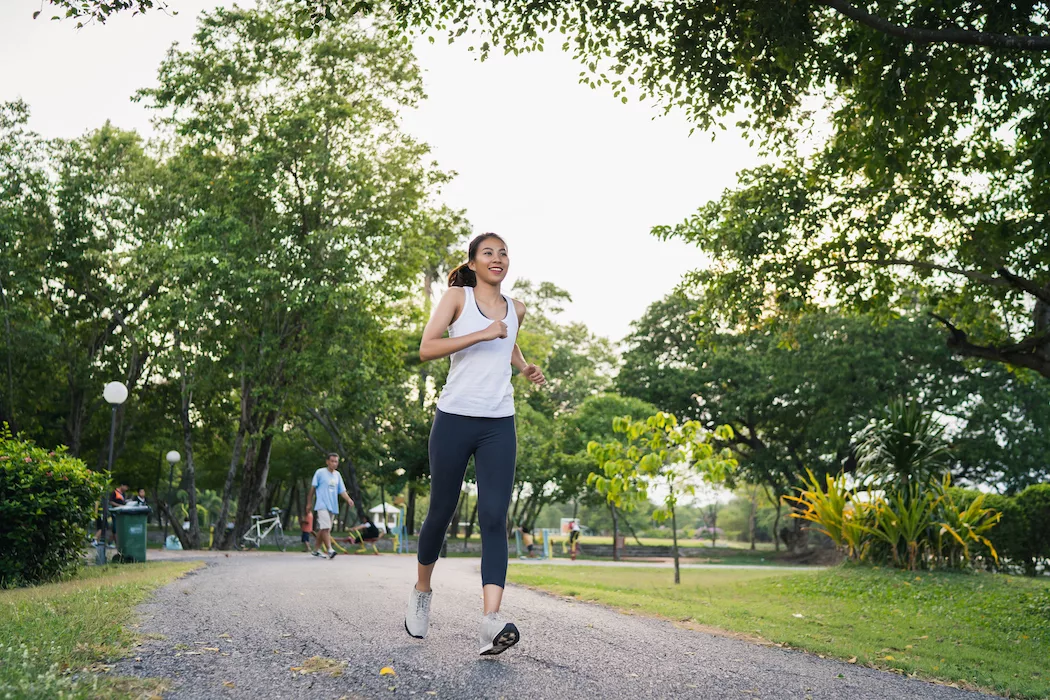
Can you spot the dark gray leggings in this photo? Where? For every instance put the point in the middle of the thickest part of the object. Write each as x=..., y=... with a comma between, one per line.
x=494, y=444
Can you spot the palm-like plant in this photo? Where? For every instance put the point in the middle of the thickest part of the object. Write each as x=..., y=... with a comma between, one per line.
x=904, y=448
x=963, y=526
x=835, y=510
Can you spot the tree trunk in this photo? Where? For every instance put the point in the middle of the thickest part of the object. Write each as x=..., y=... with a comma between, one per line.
x=410, y=510
x=630, y=529
x=517, y=504
x=453, y=527
x=616, y=532
x=674, y=546
x=799, y=539
x=253, y=478
x=355, y=488
x=75, y=421
x=189, y=474
x=287, y=521
x=7, y=407
x=382, y=500
x=712, y=523
x=751, y=516
x=776, y=524
x=222, y=538
x=183, y=535
x=470, y=524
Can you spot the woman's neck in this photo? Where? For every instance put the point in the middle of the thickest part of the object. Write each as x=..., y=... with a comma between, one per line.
x=488, y=293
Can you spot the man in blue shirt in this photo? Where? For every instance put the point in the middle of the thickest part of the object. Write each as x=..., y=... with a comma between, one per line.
x=328, y=487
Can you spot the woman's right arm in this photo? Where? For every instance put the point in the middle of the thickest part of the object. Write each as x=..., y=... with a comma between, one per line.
x=436, y=346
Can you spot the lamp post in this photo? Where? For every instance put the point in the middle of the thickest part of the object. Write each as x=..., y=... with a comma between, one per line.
x=173, y=457
x=115, y=393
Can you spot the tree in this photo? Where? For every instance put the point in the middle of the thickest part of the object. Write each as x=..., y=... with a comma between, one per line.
x=918, y=175
x=79, y=229
x=658, y=453
x=918, y=185
x=301, y=212
x=577, y=363
x=796, y=387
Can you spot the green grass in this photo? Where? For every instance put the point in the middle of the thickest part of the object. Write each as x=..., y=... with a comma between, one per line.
x=57, y=637
x=683, y=543
x=982, y=630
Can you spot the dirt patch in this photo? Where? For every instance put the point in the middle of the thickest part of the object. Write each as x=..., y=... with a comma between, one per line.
x=319, y=664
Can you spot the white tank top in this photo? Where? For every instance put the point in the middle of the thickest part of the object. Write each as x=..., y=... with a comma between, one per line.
x=478, y=383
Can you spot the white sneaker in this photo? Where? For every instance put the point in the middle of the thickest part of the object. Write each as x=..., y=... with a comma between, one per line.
x=417, y=615
x=496, y=635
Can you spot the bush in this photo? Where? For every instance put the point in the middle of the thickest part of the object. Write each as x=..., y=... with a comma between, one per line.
x=47, y=501
x=1034, y=504
x=1022, y=537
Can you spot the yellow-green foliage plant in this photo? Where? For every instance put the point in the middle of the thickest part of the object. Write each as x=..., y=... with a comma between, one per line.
x=958, y=528
x=835, y=510
x=913, y=528
x=906, y=517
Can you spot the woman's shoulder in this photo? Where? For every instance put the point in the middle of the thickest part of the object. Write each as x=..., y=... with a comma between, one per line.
x=519, y=307
x=455, y=294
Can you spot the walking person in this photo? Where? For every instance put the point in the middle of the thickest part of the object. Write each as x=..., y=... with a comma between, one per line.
x=328, y=487
x=475, y=417
x=117, y=499
x=574, y=537
x=306, y=527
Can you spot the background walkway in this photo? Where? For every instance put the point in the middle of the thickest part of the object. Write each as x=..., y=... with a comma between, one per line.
x=238, y=627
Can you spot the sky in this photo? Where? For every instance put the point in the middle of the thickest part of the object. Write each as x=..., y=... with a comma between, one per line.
x=571, y=178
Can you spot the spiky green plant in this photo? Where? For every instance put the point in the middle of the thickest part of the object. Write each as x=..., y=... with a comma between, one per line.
x=904, y=448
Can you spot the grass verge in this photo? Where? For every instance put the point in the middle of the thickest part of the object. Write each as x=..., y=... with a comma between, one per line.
x=57, y=637
x=980, y=630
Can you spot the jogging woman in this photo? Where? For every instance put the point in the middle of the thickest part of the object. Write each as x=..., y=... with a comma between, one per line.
x=475, y=416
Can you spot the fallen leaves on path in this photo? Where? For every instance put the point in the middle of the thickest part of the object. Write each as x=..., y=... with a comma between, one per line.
x=387, y=671
x=319, y=664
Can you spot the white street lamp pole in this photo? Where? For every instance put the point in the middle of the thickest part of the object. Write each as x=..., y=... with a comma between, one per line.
x=115, y=393
x=173, y=457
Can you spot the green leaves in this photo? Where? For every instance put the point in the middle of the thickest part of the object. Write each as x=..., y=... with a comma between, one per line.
x=45, y=496
x=655, y=451
x=905, y=448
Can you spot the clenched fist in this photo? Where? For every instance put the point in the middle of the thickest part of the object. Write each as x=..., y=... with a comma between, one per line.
x=498, y=329
x=534, y=374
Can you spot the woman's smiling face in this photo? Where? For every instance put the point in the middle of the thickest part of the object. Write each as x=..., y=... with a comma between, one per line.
x=492, y=261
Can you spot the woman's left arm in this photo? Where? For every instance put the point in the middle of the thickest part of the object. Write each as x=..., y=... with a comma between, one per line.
x=517, y=358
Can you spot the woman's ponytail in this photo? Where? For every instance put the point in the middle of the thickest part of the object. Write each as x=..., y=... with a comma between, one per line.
x=462, y=276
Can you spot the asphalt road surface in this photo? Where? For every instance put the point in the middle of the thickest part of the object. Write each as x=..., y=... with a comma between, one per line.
x=245, y=625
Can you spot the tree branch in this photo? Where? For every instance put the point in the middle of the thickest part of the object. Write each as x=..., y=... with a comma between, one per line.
x=1025, y=285
x=955, y=35
x=1019, y=354
x=892, y=262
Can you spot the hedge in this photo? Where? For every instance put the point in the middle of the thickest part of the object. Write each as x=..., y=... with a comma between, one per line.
x=1022, y=537
x=48, y=500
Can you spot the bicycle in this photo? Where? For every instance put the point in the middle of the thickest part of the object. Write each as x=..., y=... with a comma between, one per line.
x=261, y=527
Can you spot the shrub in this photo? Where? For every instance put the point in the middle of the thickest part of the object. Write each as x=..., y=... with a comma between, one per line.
x=1022, y=537
x=1034, y=505
x=911, y=528
x=47, y=500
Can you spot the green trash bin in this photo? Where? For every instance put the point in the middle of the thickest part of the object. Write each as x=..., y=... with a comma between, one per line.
x=131, y=532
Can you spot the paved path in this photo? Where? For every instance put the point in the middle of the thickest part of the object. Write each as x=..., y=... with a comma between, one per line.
x=236, y=628
x=662, y=564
